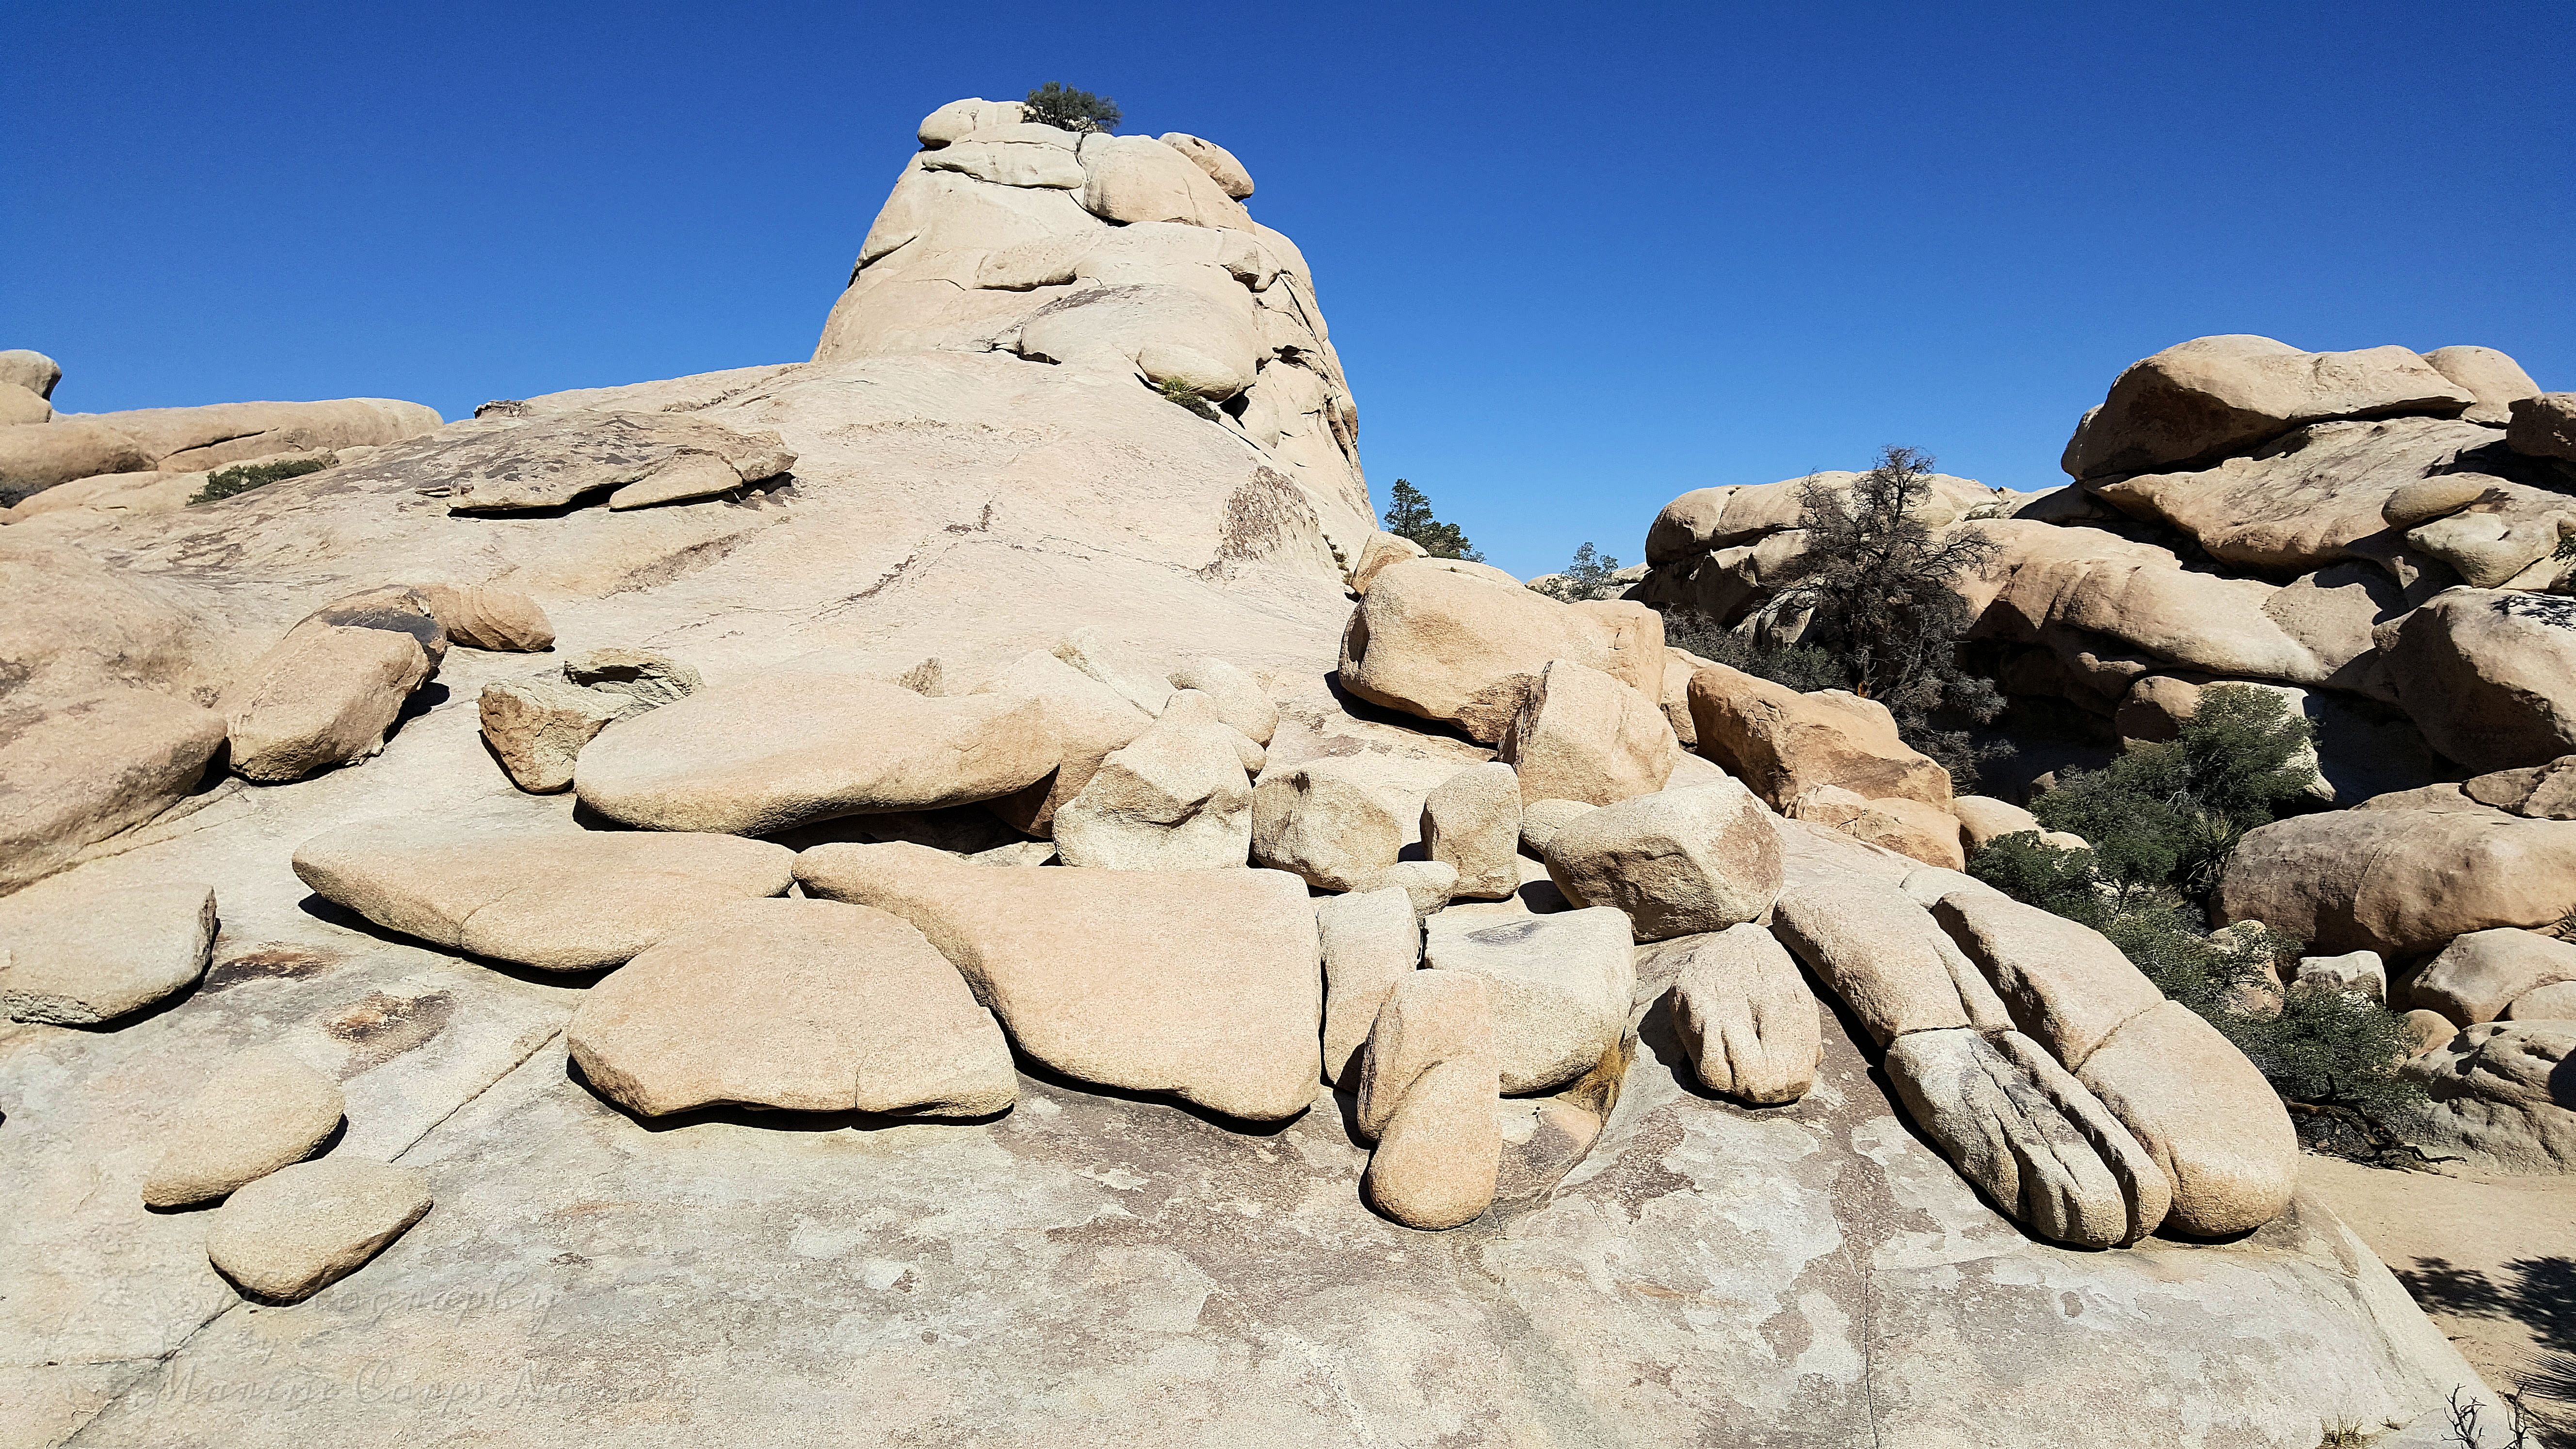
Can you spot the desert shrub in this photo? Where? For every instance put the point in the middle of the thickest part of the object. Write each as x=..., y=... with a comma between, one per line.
x=1800, y=667
x=1408, y=515
x=1181, y=394
x=1591, y=576
x=226, y=482
x=1056, y=104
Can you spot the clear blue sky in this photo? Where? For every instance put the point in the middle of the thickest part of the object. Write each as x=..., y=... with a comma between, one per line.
x=1577, y=258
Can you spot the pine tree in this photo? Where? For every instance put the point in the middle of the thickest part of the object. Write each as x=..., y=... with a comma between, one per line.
x=1408, y=515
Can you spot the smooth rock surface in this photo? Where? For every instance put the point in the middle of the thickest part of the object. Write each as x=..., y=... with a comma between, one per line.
x=2481, y=973
x=488, y=616
x=258, y=1112
x=1173, y=798
x=1371, y=940
x=797, y=1005
x=1783, y=743
x=1885, y=957
x=2397, y=879
x=326, y=695
x=74, y=958
x=2212, y=1123
x=1580, y=734
x=1676, y=862
x=1560, y=988
x=300, y=1229
x=1428, y=1091
x=1446, y=645
x=2503, y=1094
x=1472, y=823
x=2066, y=985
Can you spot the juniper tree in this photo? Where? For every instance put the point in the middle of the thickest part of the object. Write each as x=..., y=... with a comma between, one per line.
x=1055, y=104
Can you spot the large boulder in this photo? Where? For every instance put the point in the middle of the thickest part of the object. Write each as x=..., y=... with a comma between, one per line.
x=1022, y=153
x=1885, y=957
x=1371, y=940
x=1219, y=163
x=2201, y=1109
x=1472, y=823
x=798, y=1005
x=92, y=765
x=2504, y=1094
x=182, y=440
x=1090, y=719
x=36, y=457
x=2482, y=973
x=1139, y=179
x=556, y=900
x=1455, y=647
x=2203, y=399
x=1783, y=743
x=1560, y=987
x=1911, y=828
x=1238, y=698
x=75, y=953
x=2397, y=878
x=2066, y=985
x=1745, y=1018
x=331, y=690
x=1580, y=734
x=488, y=616
x=2494, y=379
x=1339, y=821
x=2489, y=674
x=1174, y=798
x=259, y=1111
x=789, y=748
x=32, y=370
x=1676, y=863
x=300, y=1229
x=1428, y=1090
x=2544, y=426
x=1201, y=984
x=537, y=726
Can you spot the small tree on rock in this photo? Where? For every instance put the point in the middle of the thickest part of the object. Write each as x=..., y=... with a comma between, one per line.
x=1056, y=104
x=1408, y=515
x=1591, y=576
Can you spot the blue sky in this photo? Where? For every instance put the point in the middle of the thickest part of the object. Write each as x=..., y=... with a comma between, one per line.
x=1577, y=258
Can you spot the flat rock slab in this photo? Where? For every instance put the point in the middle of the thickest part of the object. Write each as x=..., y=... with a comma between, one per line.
x=1711, y=1275
x=1204, y=984
x=300, y=1229
x=790, y=748
x=800, y=1005
x=566, y=458
x=259, y=1112
x=557, y=900
x=75, y=955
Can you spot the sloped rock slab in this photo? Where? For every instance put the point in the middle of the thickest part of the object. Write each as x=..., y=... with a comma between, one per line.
x=562, y=459
x=555, y=900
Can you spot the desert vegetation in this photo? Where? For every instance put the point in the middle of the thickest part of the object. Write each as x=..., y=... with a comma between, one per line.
x=1409, y=516
x=1591, y=575
x=1057, y=104
x=225, y=483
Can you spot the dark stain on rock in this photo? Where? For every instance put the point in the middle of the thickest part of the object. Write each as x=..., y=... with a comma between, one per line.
x=270, y=961
x=383, y=1027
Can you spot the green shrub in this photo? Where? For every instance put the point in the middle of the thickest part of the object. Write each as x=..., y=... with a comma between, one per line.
x=1591, y=576
x=1181, y=393
x=1801, y=667
x=1408, y=515
x=1055, y=104
x=225, y=483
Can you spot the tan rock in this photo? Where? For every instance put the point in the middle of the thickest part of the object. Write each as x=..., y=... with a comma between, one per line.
x=1984, y=819
x=1687, y=527
x=487, y=616
x=2503, y=1095
x=561, y=460
x=1139, y=179
x=2554, y=1002
x=2438, y=496
x=1884, y=956
x=31, y=370
x=788, y=748
x=2494, y=379
x=1441, y=644
x=1560, y=988
x=1472, y=822
x=1200, y=984
x=557, y=900
x=2212, y=1123
x=1020, y=153
x=1239, y=698
x=302, y=1228
x=19, y=406
x=1991, y=1109
x=959, y=119
x=1427, y=884
x=1089, y=718
x=260, y=1110
x=1371, y=941
x=798, y=1005
x=1333, y=821
x=2065, y=984
x=2399, y=881
x=1676, y=863
x=2544, y=426
x=2360, y=973
x=1382, y=550
x=33, y=459
x=1428, y=1089
x=2486, y=673
x=1541, y=819
x=72, y=958
x=537, y=727
x=1744, y=1016
x=1582, y=735
x=1783, y=743
x=93, y=765
x=1215, y=160
x=180, y=440
x=1927, y=833
x=2482, y=973
x=2212, y=396
x=1136, y=679
x=2430, y=1029
x=1174, y=798
x=650, y=679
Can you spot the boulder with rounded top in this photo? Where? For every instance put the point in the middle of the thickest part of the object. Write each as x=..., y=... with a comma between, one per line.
x=2212, y=396
x=1745, y=1018
x=1560, y=987
x=1173, y=798
x=1676, y=862
x=1428, y=1090
x=1581, y=734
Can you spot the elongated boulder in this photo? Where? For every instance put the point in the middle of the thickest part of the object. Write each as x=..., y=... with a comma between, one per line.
x=94, y=765
x=1676, y=862
x=328, y=693
x=1239, y=699
x=2489, y=675
x=38, y=456
x=789, y=748
x=488, y=616
x=1885, y=957
x=558, y=460
x=1090, y=719
x=1428, y=1089
x=2481, y=973
x=2397, y=880
x=260, y=1110
x=1371, y=940
x=798, y=1005
x=2212, y=396
x=1336, y=822
x=1783, y=743
x=1174, y=798
x=75, y=954
x=557, y=900
x=1911, y=828
x=1560, y=987
x=2492, y=377
x=1746, y=1019
x=2031, y=1138
x=1472, y=822
x=188, y=439
x=2213, y=1125
x=1580, y=734
x=1199, y=984
x=1447, y=645
x=2065, y=984
x=300, y=1229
